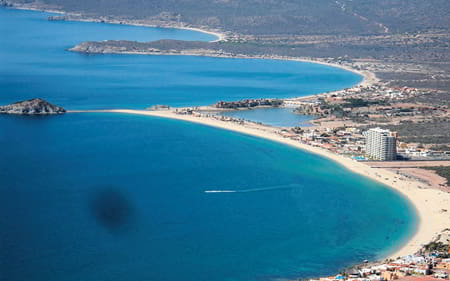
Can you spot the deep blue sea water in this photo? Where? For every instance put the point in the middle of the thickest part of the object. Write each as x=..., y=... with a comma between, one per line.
x=119, y=197
x=280, y=117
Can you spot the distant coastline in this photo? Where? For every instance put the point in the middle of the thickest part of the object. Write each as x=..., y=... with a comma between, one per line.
x=82, y=18
x=369, y=78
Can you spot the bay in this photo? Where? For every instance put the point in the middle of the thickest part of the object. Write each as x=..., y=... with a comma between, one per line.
x=118, y=197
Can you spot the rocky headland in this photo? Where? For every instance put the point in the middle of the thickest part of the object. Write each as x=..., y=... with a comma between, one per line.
x=32, y=107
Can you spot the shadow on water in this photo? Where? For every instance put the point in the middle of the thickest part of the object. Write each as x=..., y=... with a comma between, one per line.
x=111, y=208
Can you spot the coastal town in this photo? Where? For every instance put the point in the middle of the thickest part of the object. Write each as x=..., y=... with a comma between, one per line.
x=431, y=263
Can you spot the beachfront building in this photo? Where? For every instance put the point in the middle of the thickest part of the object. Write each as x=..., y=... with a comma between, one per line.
x=381, y=144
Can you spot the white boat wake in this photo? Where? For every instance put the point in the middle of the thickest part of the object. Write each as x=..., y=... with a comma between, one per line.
x=252, y=189
x=220, y=191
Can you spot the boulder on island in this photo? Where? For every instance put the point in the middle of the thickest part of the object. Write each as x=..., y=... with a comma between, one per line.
x=32, y=107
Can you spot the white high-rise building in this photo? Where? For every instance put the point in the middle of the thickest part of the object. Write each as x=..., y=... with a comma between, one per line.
x=381, y=144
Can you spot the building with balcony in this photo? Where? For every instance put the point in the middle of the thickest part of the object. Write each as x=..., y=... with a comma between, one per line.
x=381, y=144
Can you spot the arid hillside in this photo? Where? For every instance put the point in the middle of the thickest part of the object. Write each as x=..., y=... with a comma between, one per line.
x=280, y=17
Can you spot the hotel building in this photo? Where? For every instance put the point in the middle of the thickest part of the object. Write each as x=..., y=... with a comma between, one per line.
x=381, y=144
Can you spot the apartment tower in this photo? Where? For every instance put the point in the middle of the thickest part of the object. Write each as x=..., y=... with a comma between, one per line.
x=381, y=144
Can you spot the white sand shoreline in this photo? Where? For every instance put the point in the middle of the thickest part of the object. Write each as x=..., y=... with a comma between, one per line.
x=429, y=203
x=368, y=78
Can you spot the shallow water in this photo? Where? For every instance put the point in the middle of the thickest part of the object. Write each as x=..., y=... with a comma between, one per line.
x=280, y=117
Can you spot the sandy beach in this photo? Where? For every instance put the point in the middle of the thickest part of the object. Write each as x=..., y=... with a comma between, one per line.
x=432, y=205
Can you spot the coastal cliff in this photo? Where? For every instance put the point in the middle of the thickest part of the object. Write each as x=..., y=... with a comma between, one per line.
x=32, y=107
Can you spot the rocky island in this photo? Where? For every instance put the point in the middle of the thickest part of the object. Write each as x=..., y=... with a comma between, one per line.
x=32, y=107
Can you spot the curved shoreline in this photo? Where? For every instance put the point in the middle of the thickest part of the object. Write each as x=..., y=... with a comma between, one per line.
x=368, y=78
x=428, y=203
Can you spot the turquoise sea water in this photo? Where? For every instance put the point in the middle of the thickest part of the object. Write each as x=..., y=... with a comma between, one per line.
x=119, y=197
x=280, y=117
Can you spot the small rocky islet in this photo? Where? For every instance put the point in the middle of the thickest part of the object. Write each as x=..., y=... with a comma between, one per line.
x=32, y=107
